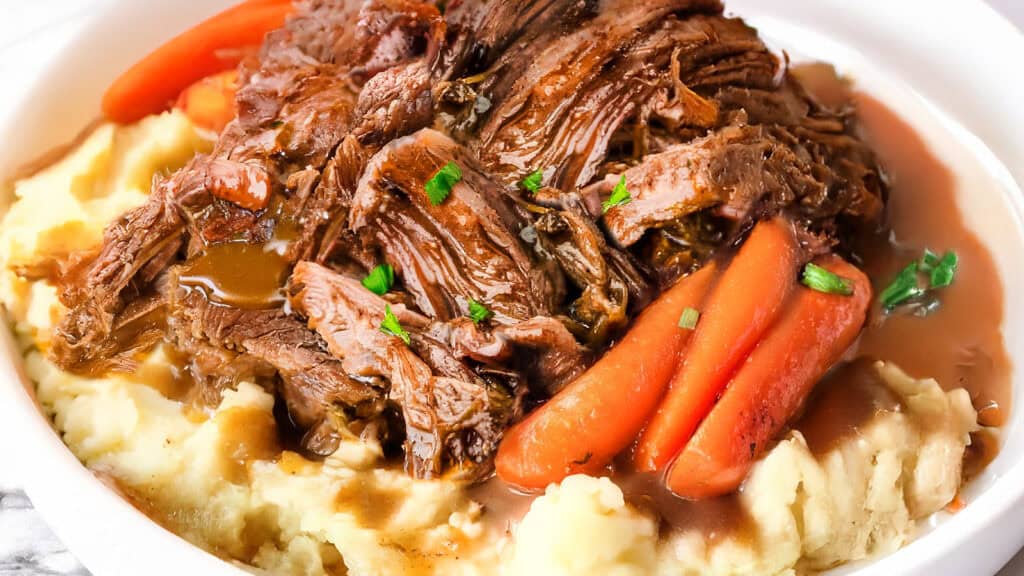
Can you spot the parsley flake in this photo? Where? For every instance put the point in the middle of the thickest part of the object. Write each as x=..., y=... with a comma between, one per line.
x=822, y=280
x=928, y=262
x=440, y=185
x=533, y=181
x=941, y=275
x=903, y=288
x=688, y=319
x=620, y=196
x=478, y=312
x=909, y=286
x=380, y=279
x=392, y=327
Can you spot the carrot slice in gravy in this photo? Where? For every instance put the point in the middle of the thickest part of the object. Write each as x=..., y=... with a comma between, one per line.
x=742, y=306
x=600, y=413
x=815, y=330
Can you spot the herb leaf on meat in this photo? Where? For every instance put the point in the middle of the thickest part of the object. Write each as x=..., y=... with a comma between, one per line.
x=478, y=312
x=380, y=279
x=392, y=327
x=440, y=185
x=533, y=181
x=620, y=196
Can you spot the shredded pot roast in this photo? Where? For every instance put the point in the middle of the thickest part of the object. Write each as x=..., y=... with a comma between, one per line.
x=506, y=183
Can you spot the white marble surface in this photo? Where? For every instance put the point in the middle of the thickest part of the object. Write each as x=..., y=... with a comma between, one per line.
x=27, y=547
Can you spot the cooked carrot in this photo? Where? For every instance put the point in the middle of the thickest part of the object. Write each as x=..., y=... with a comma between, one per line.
x=741, y=307
x=600, y=413
x=814, y=331
x=212, y=46
x=210, y=102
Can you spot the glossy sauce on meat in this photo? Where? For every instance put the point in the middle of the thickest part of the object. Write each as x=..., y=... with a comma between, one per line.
x=244, y=274
x=238, y=273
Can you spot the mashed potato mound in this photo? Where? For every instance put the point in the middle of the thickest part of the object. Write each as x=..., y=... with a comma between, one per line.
x=220, y=478
x=583, y=526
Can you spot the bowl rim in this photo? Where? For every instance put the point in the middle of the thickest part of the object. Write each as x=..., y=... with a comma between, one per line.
x=126, y=540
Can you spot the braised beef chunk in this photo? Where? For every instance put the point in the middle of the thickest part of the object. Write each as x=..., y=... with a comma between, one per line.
x=467, y=248
x=249, y=262
x=452, y=414
x=314, y=381
x=607, y=279
x=557, y=105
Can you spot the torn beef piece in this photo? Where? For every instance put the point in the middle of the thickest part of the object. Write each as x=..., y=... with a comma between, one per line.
x=610, y=285
x=540, y=351
x=625, y=64
x=478, y=32
x=469, y=247
x=147, y=237
x=230, y=344
x=453, y=416
x=776, y=153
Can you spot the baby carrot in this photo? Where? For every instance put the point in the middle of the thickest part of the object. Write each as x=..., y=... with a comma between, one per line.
x=814, y=331
x=210, y=102
x=214, y=45
x=600, y=413
x=739, y=310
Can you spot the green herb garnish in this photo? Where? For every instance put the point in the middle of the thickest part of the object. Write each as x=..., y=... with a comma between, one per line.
x=620, y=195
x=903, y=288
x=688, y=319
x=478, y=312
x=440, y=185
x=533, y=181
x=908, y=285
x=928, y=262
x=817, y=278
x=943, y=271
x=380, y=279
x=392, y=327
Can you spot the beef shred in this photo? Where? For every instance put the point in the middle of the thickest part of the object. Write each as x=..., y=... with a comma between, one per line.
x=502, y=293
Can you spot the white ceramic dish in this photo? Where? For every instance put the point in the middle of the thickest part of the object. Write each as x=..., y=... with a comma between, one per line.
x=952, y=69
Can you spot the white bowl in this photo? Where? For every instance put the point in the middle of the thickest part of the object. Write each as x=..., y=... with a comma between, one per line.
x=952, y=69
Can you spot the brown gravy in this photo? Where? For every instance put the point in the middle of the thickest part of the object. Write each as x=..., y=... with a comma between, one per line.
x=716, y=518
x=846, y=399
x=244, y=274
x=960, y=344
x=239, y=274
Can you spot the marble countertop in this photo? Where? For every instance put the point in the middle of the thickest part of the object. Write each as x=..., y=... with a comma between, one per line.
x=27, y=546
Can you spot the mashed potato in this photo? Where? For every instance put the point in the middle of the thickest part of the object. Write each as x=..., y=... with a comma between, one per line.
x=221, y=480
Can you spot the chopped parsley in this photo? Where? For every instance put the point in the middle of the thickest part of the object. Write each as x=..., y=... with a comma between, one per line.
x=941, y=274
x=620, y=195
x=392, y=327
x=478, y=312
x=380, y=279
x=904, y=287
x=440, y=185
x=533, y=181
x=817, y=278
x=908, y=286
x=928, y=262
x=688, y=319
